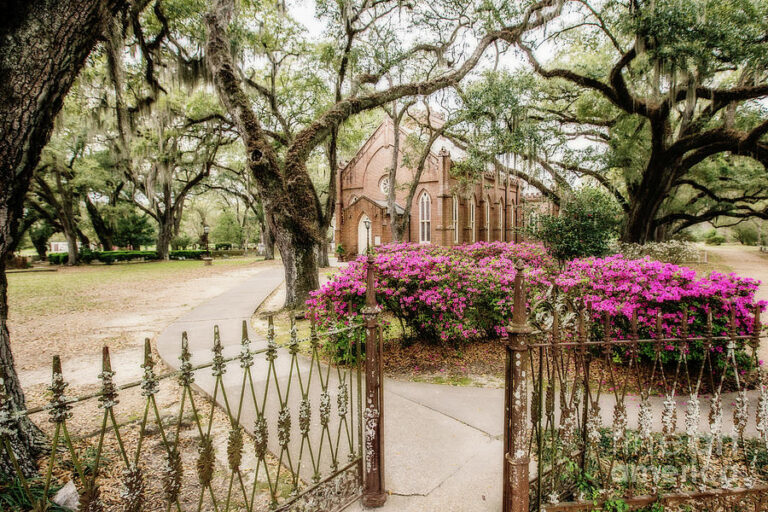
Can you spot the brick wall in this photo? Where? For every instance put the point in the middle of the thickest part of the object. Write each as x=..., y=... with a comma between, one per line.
x=359, y=190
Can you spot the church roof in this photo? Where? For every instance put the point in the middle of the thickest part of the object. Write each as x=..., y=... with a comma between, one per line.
x=380, y=203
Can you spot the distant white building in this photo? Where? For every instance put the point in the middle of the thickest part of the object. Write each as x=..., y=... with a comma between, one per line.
x=61, y=246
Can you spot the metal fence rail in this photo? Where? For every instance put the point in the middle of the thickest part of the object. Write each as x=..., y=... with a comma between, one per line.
x=603, y=418
x=279, y=431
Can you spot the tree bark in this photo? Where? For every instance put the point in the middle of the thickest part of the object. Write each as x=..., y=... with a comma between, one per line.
x=300, y=264
x=164, y=236
x=43, y=46
x=268, y=240
x=100, y=226
x=646, y=198
x=322, y=254
x=72, y=254
x=27, y=441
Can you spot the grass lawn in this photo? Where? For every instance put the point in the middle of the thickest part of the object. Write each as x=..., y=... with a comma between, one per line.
x=76, y=310
x=715, y=262
x=84, y=287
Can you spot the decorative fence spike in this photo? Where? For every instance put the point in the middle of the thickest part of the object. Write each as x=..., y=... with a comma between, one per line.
x=108, y=398
x=235, y=448
x=692, y=418
x=284, y=427
x=260, y=437
x=171, y=476
x=325, y=408
x=150, y=384
x=669, y=415
x=218, y=368
x=186, y=377
x=271, y=345
x=60, y=410
x=133, y=489
x=305, y=417
x=205, y=461
x=246, y=357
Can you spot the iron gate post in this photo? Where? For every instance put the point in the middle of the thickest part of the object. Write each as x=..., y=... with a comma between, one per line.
x=516, y=460
x=374, y=494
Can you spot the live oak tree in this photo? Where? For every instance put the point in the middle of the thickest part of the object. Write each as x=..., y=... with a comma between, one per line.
x=170, y=156
x=277, y=151
x=43, y=45
x=496, y=121
x=668, y=94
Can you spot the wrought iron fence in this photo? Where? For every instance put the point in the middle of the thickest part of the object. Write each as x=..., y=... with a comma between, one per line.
x=277, y=431
x=600, y=426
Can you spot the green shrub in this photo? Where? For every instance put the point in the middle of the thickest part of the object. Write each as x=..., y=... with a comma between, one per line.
x=57, y=258
x=226, y=254
x=181, y=242
x=109, y=257
x=187, y=255
x=746, y=234
x=223, y=247
x=586, y=226
x=712, y=237
x=715, y=240
x=342, y=348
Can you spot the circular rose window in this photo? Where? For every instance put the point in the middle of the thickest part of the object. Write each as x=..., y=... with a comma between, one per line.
x=384, y=185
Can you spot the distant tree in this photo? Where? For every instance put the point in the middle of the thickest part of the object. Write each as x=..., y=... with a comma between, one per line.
x=39, y=233
x=171, y=157
x=589, y=220
x=668, y=94
x=746, y=234
x=227, y=229
x=133, y=229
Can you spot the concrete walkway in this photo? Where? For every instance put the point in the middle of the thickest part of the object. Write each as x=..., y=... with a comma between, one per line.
x=443, y=444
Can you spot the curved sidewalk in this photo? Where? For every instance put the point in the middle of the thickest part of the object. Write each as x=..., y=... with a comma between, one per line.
x=443, y=443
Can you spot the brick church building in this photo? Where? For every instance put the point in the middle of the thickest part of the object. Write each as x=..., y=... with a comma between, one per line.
x=441, y=213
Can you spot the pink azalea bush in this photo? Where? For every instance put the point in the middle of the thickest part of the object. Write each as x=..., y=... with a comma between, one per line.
x=618, y=287
x=466, y=292
x=443, y=293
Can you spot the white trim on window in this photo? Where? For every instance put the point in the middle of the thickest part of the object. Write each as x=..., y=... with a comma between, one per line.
x=502, y=235
x=487, y=219
x=472, y=222
x=455, y=218
x=425, y=218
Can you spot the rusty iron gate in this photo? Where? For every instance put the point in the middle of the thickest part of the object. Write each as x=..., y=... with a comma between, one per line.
x=588, y=427
x=277, y=429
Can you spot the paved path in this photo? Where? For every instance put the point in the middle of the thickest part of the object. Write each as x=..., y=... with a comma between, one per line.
x=747, y=262
x=443, y=444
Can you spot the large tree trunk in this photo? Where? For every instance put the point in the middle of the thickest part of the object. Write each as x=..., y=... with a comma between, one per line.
x=72, y=253
x=164, y=236
x=267, y=239
x=645, y=200
x=300, y=265
x=43, y=45
x=26, y=440
x=322, y=255
x=41, y=247
x=100, y=226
